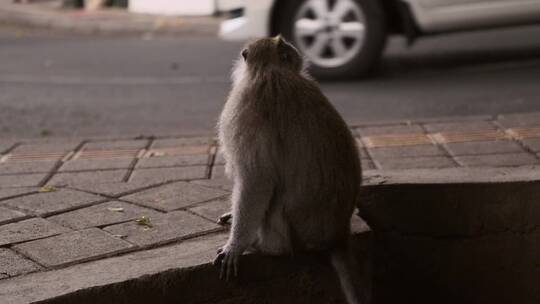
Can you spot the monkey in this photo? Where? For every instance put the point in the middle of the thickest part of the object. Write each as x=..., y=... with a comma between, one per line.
x=293, y=161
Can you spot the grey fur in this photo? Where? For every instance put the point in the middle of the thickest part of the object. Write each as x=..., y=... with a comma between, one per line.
x=293, y=160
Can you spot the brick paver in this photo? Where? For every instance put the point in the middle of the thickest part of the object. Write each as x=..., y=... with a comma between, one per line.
x=213, y=209
x=30, y=229
x=391, y=129
x=497, y=160
x=396, y=140
x=219, y=159
x=8, y=215
x=13, y=264
x=115, y=189
x=469, y=136
x=518, y=120
x=169, y=174
x=368, y=164
x=75, y=178
x=484, y=147
x=218, y=172
x=53, y=147
x=165, y=228
x=459, y=126
x=416, y=162
x=22, y=180
x=73, y=247
x=5, y=146
x=407, y=151
x=96, y=164
x=173, y=161
x=11, y=192
x=115, y=145
x=19, y=167
x=44, y=204
x=174, y=196
x=532, y=143
x=182, y=150
x=179, y=142
x=219, y=183
x=363, y=153
x=101, y=215
x=107, y=154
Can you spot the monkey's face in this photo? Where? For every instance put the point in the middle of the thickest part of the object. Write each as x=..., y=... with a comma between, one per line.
x=273, y=52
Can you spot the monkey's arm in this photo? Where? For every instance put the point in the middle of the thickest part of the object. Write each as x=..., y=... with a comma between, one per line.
x=250, y=201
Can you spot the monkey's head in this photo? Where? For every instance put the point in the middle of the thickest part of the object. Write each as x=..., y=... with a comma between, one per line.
x=273, y=52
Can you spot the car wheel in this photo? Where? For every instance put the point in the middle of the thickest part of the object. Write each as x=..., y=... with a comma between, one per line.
x=340, y=38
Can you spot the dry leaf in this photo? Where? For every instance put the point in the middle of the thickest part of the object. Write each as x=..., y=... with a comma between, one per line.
x=48, y=189
x=45, y=133
x=157, y=153
x=144, y=221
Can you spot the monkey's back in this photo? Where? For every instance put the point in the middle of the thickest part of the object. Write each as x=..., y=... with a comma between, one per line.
x=317, y=168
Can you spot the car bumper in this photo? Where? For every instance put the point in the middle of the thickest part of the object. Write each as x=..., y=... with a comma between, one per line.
x=253, y=21
x=236, y=29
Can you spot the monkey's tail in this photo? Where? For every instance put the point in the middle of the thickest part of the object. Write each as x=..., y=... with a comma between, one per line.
x=343, y=263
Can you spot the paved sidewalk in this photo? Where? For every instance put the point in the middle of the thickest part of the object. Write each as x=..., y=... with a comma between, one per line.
x=66, y=202
x=49, y=15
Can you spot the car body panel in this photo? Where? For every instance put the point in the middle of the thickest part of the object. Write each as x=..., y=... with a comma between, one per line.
x=254, y=23
x=431, y=16
x=229, y=5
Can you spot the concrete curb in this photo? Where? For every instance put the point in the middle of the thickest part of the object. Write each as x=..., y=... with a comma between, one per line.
x=455, y=236
x=439, y=235
x=264, y=279
x=422, y=120
x=105, y=23
x=452, y=175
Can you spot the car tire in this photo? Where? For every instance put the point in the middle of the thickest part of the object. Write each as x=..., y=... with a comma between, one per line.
x=359, y=63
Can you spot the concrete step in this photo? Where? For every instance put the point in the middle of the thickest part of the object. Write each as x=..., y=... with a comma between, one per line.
x=455, y=236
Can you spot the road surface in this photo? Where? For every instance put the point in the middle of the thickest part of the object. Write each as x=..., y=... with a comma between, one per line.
x=63, y=85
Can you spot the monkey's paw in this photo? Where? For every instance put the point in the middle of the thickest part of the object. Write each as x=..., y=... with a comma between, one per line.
x=228, y=258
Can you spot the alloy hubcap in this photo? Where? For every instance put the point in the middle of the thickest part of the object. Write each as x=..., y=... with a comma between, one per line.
x=329, y=32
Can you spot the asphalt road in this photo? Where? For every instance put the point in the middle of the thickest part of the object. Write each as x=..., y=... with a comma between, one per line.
x=66, y=85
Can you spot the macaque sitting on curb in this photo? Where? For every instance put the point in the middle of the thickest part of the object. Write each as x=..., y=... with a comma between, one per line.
x=293, y=160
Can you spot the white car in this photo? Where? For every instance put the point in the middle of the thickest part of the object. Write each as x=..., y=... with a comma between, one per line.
x=345, y=38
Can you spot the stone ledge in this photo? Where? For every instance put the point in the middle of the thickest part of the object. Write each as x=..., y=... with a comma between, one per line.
x=182, y=274
x=440, y=236
x=452, y=175
x=455, y=235
x=49, y=285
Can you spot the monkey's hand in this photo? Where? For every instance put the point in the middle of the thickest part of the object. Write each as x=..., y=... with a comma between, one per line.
x=228, y=257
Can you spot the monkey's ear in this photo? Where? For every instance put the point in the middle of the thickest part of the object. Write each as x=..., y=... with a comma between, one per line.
x=283, y=48
x=279, y=38
x=281, y=43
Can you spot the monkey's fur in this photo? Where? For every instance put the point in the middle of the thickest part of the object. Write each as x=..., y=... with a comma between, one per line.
x=293, y=160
